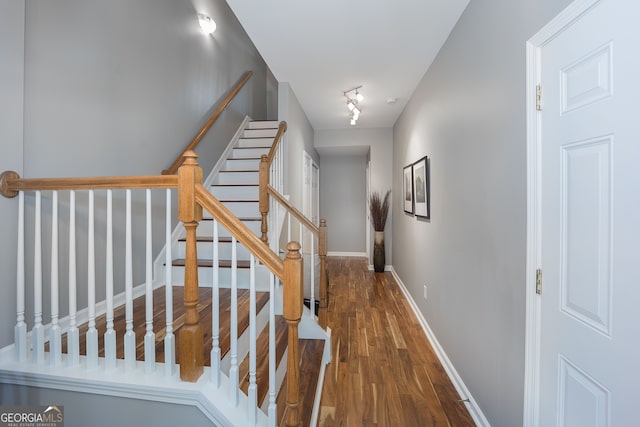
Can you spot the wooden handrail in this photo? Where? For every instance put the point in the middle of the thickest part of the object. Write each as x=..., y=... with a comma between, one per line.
x=282, y=128
x=244, y=235
x=205, y=128
x=292, y=209
x=11, y=183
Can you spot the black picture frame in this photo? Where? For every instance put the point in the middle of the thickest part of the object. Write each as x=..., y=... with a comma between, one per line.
x=407, y=189
x=421, y=190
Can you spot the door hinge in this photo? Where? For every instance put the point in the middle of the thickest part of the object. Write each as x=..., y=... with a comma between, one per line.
x=538, y=97
x=539, y=281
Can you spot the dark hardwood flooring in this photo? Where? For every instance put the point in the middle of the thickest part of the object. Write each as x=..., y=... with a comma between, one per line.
x=384, y=371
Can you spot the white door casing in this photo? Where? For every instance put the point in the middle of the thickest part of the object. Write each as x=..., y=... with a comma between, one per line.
x=582, y=342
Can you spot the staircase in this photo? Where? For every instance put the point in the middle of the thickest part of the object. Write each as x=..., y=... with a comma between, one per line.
x=240, y=304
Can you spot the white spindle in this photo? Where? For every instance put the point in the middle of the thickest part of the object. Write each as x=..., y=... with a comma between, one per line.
x=38, y=330
x=169, y=339
x=149, y=337
x=215, y=310
x=288, y=226
x=110, y=334
x=20, y=330
x=73, y=335
x=233, y=369
x=55, y=332
x=272, y=410
x=253, y=387
x=312, y=272
x=130, y=335
x=301, y=237
x=92, y=333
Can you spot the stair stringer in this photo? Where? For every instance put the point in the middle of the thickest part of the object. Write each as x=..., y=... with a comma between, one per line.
x=159, y=262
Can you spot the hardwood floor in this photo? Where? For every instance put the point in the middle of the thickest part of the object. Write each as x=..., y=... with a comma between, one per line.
x=384, y=372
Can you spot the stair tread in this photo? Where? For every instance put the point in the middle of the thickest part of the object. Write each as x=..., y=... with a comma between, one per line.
x=262, y=363
x=243, y=219
x=310, y=351
x=159, y=314
x=208, y=263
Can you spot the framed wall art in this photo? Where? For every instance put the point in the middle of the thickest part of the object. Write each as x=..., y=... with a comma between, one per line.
x=407, y=189
x=421, y=188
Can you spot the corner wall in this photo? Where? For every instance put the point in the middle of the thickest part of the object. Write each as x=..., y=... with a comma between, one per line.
x=468, y=116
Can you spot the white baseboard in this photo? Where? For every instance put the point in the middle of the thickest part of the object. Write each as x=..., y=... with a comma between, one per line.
x=463, y=391
x=386, y=267
x=347, y=254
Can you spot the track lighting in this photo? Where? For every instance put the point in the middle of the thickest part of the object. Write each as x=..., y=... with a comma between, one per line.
x=352, y=104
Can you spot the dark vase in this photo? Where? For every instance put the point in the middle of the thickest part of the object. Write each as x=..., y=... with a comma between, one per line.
x=378, y=252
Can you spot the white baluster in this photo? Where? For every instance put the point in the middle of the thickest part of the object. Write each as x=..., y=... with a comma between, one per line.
x=233, y=369
x=288, y=227
x=272, y=411
x=55, y=332
x=215, y=310
x=92, y=333
x=169, y=339
x=130, y=335
x=73, y=336
x=37, y=334
x=20, y=330
x=110, y=334
x=312, y=272
x=149, y=337
x=253, y=387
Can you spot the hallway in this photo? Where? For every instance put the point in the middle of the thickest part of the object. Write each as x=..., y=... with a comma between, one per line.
x=384, y=371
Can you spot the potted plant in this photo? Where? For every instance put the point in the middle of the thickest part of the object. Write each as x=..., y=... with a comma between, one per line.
x=379, y=209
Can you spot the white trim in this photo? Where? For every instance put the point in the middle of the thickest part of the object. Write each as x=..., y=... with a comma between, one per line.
x=534, y=257
x=461, y=388
x=211, y=401
x=386, y=267
x=348, y=254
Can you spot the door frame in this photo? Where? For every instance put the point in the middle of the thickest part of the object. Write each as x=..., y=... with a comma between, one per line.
x=533, y=330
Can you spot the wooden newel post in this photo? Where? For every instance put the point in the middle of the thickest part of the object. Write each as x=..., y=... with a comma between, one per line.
x=190, y=339
x=324, y=281
x=292, y=312
x=264, y=196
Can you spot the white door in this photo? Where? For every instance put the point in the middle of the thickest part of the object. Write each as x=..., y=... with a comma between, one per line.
x=589, y=218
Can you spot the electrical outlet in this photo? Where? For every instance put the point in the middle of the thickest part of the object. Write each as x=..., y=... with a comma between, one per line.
x=425, y=291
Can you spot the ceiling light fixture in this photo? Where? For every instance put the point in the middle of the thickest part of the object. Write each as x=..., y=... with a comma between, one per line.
x=352, y=103
x=207, y=24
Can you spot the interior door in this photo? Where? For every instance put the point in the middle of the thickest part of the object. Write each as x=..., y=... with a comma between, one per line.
x=590, y=220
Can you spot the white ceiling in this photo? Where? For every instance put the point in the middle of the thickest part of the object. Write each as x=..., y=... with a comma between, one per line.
x=323, y=48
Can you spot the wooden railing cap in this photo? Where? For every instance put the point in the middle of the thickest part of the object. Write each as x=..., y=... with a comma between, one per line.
x=293, y=250
x=4, y=183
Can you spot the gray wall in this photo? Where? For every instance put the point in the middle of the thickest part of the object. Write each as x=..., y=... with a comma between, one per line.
x=468, y=116
x=11, y=122
x=343, y=202
x=84, y=409
x=114, y=88
x=378, y=143
x=297, y=139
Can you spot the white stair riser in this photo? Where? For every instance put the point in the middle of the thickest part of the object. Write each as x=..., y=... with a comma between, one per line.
x=205, y=251
x=249, y=153
x=255, y=142
x=264, y=124
x=205, y=277
x=240, y=209
x=259, y=133
x=242, y=164
x=250, y=192
x=237, y=178
x=205, y=228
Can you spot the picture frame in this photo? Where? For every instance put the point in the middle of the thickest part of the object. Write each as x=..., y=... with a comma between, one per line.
x=421, y=191
x=407, y=188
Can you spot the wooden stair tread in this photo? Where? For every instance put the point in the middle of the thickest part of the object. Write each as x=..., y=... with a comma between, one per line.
x=223, y=263
x=310, y=363
x=243, y=219
x=262, y=366
x=204, y=309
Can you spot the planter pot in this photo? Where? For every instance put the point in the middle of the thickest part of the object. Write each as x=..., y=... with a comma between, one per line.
x=378, y=252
